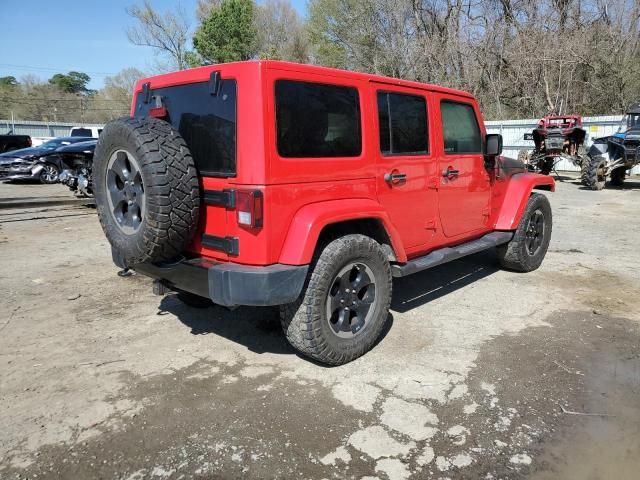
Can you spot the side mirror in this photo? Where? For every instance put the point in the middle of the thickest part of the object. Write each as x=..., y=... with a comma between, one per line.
x=493, y=145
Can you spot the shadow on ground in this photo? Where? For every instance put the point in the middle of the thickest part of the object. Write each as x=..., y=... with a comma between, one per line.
x=423, y=287
x=259, y=330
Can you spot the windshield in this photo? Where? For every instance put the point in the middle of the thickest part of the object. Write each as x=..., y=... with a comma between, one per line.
x=633, y=120
x=55, y=143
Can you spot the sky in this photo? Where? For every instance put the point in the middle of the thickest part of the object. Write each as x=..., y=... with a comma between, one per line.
x=44, y=37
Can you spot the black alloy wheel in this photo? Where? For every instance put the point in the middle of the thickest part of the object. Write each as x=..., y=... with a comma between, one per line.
x=125, y=191
x=350, y=298
x=535, y=232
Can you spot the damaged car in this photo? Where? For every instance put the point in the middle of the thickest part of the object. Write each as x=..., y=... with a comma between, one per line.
x=26, y=164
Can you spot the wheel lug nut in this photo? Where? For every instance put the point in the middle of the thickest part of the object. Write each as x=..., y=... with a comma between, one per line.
x=346, y=309
x=353, y=303
x=353, y=291
x=130, y=202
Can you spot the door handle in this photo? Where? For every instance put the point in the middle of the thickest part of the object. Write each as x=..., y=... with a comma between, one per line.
x=395, y=178
x=450, y=173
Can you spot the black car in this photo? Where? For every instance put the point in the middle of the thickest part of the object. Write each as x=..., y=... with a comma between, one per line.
x=24, y=164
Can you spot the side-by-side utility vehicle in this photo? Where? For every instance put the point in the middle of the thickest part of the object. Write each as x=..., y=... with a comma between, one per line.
x=556, y=138
x=612, y=156
x=272, y=183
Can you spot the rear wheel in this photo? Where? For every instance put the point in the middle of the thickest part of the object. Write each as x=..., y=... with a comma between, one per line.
x=596, y=174
x=528, y=247
x=344, y=308
x=617, y=177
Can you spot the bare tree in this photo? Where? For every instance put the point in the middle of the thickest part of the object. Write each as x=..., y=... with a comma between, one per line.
x=519, y=57
x=167, y=33
x=204, y=7
x=281, y=32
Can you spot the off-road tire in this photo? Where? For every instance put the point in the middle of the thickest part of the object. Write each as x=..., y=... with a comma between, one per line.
x=593, y=180
x=617, y=177
x=170, y=184
x=584, y=170
x=195, y=301
x=515, y=255
x=547, y=166
x=305, y=322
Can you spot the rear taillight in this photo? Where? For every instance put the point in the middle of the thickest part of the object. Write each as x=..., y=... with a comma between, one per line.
x=249, y=208
x=158, y=112
x=30, y=142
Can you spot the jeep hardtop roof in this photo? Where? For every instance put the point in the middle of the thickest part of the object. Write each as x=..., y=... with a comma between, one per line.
x=201, y=74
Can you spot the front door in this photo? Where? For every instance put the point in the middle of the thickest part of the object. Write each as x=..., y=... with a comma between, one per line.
x=406, y=179
x=465, y=184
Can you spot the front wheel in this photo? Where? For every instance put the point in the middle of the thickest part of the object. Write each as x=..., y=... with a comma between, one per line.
x=344, y=308
x=596, y=176
x=527, y=248
x=49, y=174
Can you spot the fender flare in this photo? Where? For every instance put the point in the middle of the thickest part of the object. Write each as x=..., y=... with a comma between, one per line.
x=515, y=199
x=308, y=222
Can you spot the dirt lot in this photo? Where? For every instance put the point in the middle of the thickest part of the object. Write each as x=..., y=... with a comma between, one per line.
x=481, y=374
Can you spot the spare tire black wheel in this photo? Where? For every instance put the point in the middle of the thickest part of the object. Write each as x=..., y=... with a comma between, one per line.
x=146, y=189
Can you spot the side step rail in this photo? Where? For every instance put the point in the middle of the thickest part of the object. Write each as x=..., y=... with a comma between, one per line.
x=448, y=254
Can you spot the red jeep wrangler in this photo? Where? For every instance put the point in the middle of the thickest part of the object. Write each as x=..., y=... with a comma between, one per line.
x=272, y=183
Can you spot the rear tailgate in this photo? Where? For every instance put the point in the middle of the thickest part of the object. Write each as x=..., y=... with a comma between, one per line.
x=205, y=114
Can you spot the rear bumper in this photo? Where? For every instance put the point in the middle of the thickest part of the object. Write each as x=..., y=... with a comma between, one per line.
x=229, y=284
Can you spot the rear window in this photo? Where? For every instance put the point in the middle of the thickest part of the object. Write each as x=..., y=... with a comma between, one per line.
x=81, y=132
x=207, y=123
x=317, y=120
x=403, y=124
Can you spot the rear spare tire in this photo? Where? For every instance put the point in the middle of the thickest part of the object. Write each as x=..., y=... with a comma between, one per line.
x=146, y=189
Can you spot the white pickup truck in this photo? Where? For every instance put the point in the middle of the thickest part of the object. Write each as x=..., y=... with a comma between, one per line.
x=81, y=131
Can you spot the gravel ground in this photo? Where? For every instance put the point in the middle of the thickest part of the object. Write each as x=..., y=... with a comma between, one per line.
x=481, y=374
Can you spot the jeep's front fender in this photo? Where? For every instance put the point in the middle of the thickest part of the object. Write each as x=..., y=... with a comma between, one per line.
x=516, y=196
x=309, y=221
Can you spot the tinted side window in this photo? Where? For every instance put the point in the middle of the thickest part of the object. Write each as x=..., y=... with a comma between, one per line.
x=460, y=127
x=403, y=124
x=316, y=120
x=207, y=123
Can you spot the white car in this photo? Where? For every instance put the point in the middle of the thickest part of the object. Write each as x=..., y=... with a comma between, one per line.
x=81, y=131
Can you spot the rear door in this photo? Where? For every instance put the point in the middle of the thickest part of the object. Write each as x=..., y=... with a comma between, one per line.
x=406, y=168
x=465, y=184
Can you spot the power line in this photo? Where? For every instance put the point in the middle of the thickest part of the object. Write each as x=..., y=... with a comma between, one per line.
x=37, y=100
x=49, y=69
x=84, y=107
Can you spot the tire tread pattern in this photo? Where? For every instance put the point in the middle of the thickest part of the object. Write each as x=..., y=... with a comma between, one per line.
x=170, y=179
x=302, y=321
x=513, y=255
